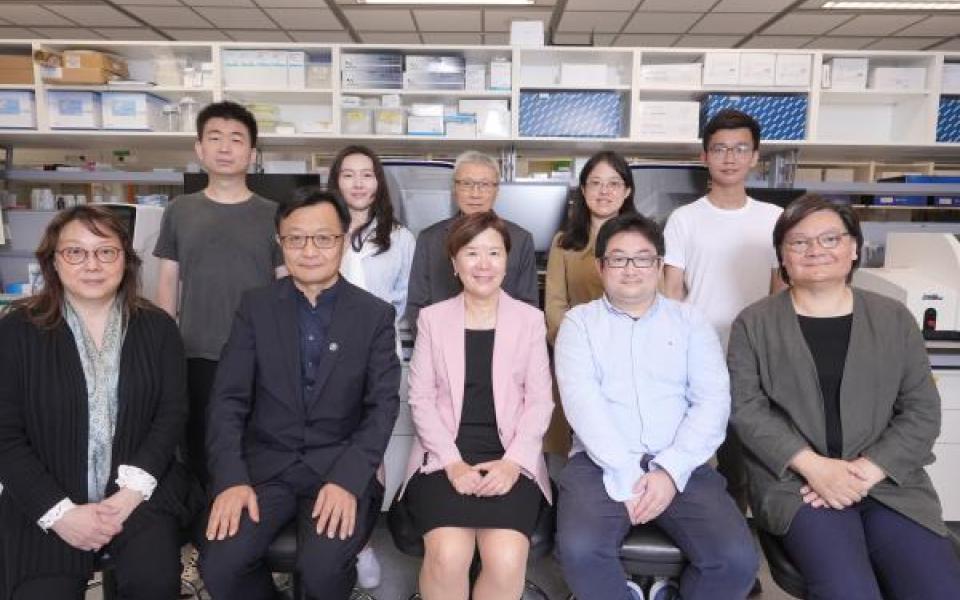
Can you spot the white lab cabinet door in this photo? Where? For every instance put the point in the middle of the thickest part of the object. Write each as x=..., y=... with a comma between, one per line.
x=945, y=470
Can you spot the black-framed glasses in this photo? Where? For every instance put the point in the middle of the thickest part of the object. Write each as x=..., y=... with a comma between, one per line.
x=640, y=262
x=469, y=184
x=828, y=241
x=740, y=151
x=297, y=241
x=75, y=255
x=614, y=185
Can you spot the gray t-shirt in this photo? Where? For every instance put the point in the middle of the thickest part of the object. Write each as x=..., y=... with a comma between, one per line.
x=222, y=250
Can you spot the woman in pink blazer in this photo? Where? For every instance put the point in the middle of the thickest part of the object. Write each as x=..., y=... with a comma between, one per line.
x=480, y=395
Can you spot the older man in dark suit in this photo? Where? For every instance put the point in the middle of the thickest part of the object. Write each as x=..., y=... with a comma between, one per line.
x=304, y=401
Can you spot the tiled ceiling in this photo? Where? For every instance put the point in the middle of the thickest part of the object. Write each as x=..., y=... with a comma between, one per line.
x=684, y=23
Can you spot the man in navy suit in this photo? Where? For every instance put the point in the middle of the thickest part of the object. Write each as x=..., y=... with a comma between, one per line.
x=303, y=404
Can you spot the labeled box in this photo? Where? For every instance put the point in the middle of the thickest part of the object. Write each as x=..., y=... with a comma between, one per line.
x=73, y=110
x=846, y=73
x=781, y=116
x=572, y=114
x=434, y=64
x=793, y=70
x=296, y=70
x=132, y=110
x=758, y=68
x=17, y=109
x=948, y=119
x=81, y=66
x=357, y=120
x=668, y=120
x=721, y=68
x=16, y=69
x=372, y=59
x=460, y=126
x=898, y=78
x=672, y=75
x=501, y=75
x=425, y=125
x=389, y=121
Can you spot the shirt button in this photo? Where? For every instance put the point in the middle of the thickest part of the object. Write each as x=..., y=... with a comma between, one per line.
x=310, y=337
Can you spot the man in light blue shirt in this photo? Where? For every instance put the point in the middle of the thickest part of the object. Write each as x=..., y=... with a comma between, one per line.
x=645, y=387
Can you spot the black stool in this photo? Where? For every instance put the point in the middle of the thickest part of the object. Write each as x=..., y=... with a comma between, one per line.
x=408, y=541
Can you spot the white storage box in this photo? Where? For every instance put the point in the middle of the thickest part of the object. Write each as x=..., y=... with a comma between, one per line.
x=423, y=109
x=296, y=70
x=526, y=33
x=757, y=68
x=358, y=120
x=680, y=75
x=501, y=75
x=793, y=70
x=898, y=78
x=461, y=126
x=425, y=125
x=389, y=121
x=73, y=110
x=847, y=73
x=721, y=68
x=17, y=109
x=133, y=110
x=668, y=120
x=255, y=68
x=476, y=106
x=951, y=78
x=583, y=74
x=476, y=77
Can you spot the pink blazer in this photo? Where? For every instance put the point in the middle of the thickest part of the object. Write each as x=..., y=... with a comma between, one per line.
x=522, y=387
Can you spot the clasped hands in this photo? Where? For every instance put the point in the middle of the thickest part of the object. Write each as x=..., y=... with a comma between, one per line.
x=91, y=526
x=653, y=493
x=835, y=483
x=492, y=478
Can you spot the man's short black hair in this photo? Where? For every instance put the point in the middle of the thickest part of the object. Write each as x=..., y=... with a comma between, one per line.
x=731, y=118
x=629, y=222
x=311, y=196
x=230, y=111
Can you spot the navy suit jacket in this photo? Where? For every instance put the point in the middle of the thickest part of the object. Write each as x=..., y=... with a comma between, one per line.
x=259, y=420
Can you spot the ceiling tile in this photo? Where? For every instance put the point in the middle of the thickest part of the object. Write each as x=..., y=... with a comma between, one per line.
x=168, y=16
x=949, y=45
x=197, y=35
x=462, y=38
x=448, y=20
x=67, y=33
x=647, y=41
x=902, y=43
x=292, y=3
x=380, y=20
x=677, y=5
x=126, y=3
x=496, y=39
x=805, y=24
x=875, y=24
x=499, y=20
x=305, y=18
x=97, y=15
x=661, y=22
x=813, y=4
x=605, y=22
x=603, y=39
x=16, y=33
x=572, y=39
x=601, y=4
x=730, y=22
x=233, y=3
x=777, y=42
x=752, y=5
x=132, y=34
x=237, y=18
x=321, y=37
x=942, y=25
x=840, y=43
x=377, y=37
x=30, y=14
x=258, y=35
x=709, y=41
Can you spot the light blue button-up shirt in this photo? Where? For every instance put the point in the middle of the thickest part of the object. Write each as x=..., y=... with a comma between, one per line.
x=654, y=385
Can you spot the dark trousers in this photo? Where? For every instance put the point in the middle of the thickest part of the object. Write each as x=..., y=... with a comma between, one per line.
x=200, y=375
x=146, y=566
x=234, y=568
x=731, y=465
x=870, y=552
x=702, y=521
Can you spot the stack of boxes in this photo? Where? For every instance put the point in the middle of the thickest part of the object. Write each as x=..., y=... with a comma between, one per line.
x=259, y=69
x=425, y=72
x=377, y=70
x=134, y=111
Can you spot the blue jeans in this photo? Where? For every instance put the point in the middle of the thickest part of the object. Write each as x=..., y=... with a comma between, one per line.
x=856, y=552
x=703, y=522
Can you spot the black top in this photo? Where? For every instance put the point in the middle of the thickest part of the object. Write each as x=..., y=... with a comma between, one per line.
x=477, y=437
x=314, y=327
x=828, y=338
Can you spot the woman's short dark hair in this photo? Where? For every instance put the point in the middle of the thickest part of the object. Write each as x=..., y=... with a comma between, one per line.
x=466, y=227
x=381, y=210
x=311, y=196
x=731, y=118
x=230, y=111
x=803, y=207
x=632, y=222
x=45, y=308
x=576, y=228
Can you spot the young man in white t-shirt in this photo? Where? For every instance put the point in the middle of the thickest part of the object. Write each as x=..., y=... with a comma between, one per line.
x=720, y=254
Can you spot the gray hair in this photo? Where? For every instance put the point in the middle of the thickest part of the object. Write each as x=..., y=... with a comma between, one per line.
x=473, y=157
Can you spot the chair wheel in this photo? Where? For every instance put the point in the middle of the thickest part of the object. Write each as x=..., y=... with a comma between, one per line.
x=359, y=594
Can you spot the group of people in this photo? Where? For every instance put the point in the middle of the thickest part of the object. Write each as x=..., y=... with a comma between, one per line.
x=734, y=331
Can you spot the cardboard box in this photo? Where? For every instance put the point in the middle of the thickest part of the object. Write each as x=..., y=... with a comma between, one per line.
x=73, y=110
x=781, y=117
x=81, y=66
x=758, y=68
x=721, y=68
x=587, y=74
x=676, y=75
x=17, y=109
x=572, y=114
x=898, y=78
x=16, y=68
x=137, y=111
x=948, y=119
x=846, y=73
x=425, y=125
x=793, y=70
x=668, y=120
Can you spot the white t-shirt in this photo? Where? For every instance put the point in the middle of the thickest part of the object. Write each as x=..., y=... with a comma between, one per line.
x=726, y=256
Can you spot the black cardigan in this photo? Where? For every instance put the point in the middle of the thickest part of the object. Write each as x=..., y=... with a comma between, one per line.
x=43, y=434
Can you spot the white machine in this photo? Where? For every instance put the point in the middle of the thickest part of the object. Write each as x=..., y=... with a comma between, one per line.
x=921, y=270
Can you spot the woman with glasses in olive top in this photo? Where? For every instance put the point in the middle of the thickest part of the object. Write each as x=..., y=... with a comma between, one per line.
x=92, y=406
x=835, y=404
x=606, y=190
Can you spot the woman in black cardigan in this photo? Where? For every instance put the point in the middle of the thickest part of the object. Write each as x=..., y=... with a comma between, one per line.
x=92, y=406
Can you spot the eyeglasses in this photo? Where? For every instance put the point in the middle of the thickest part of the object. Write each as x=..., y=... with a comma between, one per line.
x=322, y=241
x=740, y=151
x=614, y=185
x=74, y=255
x=469, y=184
x=827, y=241
x=640, y=262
